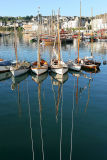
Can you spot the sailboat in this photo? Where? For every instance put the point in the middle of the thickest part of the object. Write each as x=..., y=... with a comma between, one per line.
x=87, y=63
x=5, y=65
x=40, y=66
x=75, y=65
x=57, y=65
x=20, y=67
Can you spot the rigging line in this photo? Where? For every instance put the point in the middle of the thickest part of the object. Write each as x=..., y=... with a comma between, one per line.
x=53, y=91
x=40, y=109
x=30, y=122
x=61, y=124
x=72, y=123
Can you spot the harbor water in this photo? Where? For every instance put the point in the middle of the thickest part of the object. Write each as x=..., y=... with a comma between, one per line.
x=49, y=118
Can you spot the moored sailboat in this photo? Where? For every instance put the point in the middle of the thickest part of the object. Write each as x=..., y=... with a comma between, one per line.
x=20, y=67
x=57, y=65
x=5, y=65
x=40, y=66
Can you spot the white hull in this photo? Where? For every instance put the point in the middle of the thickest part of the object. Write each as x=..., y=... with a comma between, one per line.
x=74, y=66
x=18, y=72
x=39, y=71
x=59, y=70
x=4, y=68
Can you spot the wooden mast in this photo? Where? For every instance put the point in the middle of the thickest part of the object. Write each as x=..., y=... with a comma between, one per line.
x=79, y=32
x=92, y=32
x=59, y=58
x=38, y=62
x=15, y=43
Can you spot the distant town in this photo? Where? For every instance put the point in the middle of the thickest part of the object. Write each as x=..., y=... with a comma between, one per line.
x=29, y=24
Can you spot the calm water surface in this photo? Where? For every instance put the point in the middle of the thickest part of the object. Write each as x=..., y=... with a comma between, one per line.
x=45, y=119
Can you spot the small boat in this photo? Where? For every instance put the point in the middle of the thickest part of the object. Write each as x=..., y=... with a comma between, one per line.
x=20, y=67
x=89, y=66
x=5, y=65
x=57, y=65
x=91, y=60
x=39, y=69
x=73, y=66
x=40, y=66
x=47, y=41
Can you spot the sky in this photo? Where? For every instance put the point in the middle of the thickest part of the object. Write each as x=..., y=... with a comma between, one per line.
x=67, y=7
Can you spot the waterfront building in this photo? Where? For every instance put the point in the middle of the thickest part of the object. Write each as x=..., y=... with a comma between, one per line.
x=1, y=23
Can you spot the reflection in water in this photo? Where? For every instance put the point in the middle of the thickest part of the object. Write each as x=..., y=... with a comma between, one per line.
x=78, y=74
x=17, y=80
x=57, y=131
x=30, y=123
x=15, y=85
x=88, y=96
x=39, y=79
x=59, y=78
x=72, y=121
x=5, y=75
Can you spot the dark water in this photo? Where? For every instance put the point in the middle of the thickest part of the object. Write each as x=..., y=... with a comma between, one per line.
x=45, y=119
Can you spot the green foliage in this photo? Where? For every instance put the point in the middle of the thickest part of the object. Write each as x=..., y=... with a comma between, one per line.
x=11, y=29
x=14, y=19
x=89, y=27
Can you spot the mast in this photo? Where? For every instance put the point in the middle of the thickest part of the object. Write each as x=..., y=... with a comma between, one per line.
x=92, y=32
x=79, y=32
x=38, y=62
x=15, y=43
x=59, y=58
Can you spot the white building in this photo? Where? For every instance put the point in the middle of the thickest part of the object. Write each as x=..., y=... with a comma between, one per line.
x=0, y=23
x=30, y=27
x=98, y=24
x=74, y=23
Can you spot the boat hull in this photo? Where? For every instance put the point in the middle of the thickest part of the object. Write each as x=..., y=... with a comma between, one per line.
x=89, y=67
x=59, y=70
x=39, y=71
x=18, y=72
x=74, y=66
x=4, y=68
